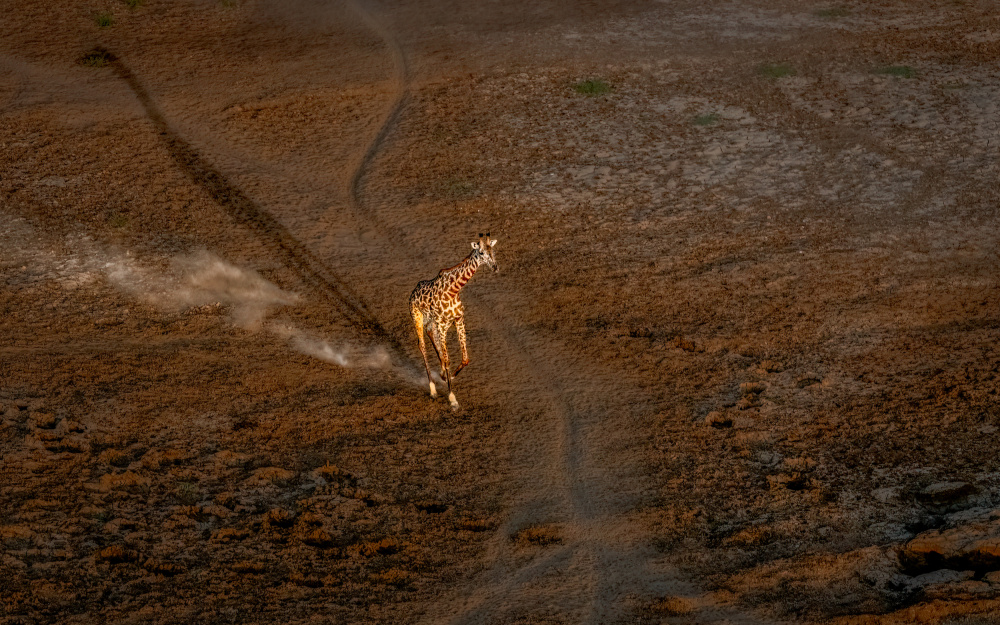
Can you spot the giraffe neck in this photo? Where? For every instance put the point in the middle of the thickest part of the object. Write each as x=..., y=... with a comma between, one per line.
x=455, y=278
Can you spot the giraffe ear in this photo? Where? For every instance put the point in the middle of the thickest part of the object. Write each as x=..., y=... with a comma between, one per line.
x=475, y=245
x=493, y=242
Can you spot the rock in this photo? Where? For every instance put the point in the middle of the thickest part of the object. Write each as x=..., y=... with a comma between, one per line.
x=944, y=493
x=216, y=511
x=126, y=481
x=789, y=481
x=942, y=576
x=973, y=545
x=801, y=464
x=319, y=538
x=768, y=458
x=230, y=458
x=965, y=516
x=279, y=517
x=962, y=590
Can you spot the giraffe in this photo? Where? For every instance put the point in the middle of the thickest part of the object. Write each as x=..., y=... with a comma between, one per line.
x=435, y=306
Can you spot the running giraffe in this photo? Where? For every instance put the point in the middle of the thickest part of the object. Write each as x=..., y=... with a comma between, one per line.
x=435, y=307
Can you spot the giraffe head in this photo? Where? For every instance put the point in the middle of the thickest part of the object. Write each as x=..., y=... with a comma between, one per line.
x=483, y=248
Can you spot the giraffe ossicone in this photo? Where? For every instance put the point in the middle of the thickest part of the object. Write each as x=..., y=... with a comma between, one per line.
x=435, y=307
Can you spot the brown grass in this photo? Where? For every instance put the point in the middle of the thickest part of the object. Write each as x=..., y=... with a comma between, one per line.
x=116, y=554
x=230, y=534
x=541, y=535
x=249, y=567
x=672, y=606
x=384, y=547
x=475, y=525
x=393, y=577
x=279, y=517
x=115, y=457
x=751, y=537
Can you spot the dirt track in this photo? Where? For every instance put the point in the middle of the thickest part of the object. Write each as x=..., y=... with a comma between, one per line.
x=739, y=364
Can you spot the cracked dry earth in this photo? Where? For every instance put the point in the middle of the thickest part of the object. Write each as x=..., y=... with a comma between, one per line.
x=740, y=364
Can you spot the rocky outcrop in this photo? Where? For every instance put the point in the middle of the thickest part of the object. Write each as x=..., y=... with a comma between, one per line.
x=970, y=546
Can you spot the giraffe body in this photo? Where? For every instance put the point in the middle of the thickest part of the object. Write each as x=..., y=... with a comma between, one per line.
x=435, y=307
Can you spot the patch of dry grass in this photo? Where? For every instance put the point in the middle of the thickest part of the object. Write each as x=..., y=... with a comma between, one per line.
x=541, y=535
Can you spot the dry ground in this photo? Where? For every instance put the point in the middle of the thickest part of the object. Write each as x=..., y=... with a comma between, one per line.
x=739, y=365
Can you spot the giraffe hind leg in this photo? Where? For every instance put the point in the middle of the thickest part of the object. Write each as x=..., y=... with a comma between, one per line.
x=440, y=336
x=442, y=377
x=418, y=321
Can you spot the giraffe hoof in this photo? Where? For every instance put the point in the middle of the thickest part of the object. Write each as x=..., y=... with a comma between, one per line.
x=434, y=392
x=453, y=401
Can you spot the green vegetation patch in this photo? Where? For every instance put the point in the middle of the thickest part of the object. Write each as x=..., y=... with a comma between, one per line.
x=592, y=87
x=104, y=19
x=706, y=120
x=775, y=70
x=117, y=220
x=187, y=493
x=899, y=71
x=460, y=187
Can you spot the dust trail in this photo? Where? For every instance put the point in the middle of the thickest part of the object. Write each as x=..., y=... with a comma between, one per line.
x=344, y=355
x=181, y=284
x=201, y=280
x=204, y=279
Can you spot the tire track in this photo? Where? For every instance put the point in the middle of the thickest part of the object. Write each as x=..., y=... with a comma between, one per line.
x=401, y=77
x=295, y=255
x=20, y=80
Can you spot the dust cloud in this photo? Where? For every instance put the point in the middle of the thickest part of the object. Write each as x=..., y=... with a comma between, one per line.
x=181, y=283
x=344, y=354
x=198, y=280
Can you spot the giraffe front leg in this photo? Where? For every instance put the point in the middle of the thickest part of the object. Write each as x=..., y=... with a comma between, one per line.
x=460, y=328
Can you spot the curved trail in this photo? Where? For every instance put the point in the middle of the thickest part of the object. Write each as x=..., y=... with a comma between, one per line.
x=401, y=78
x=18, y=72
